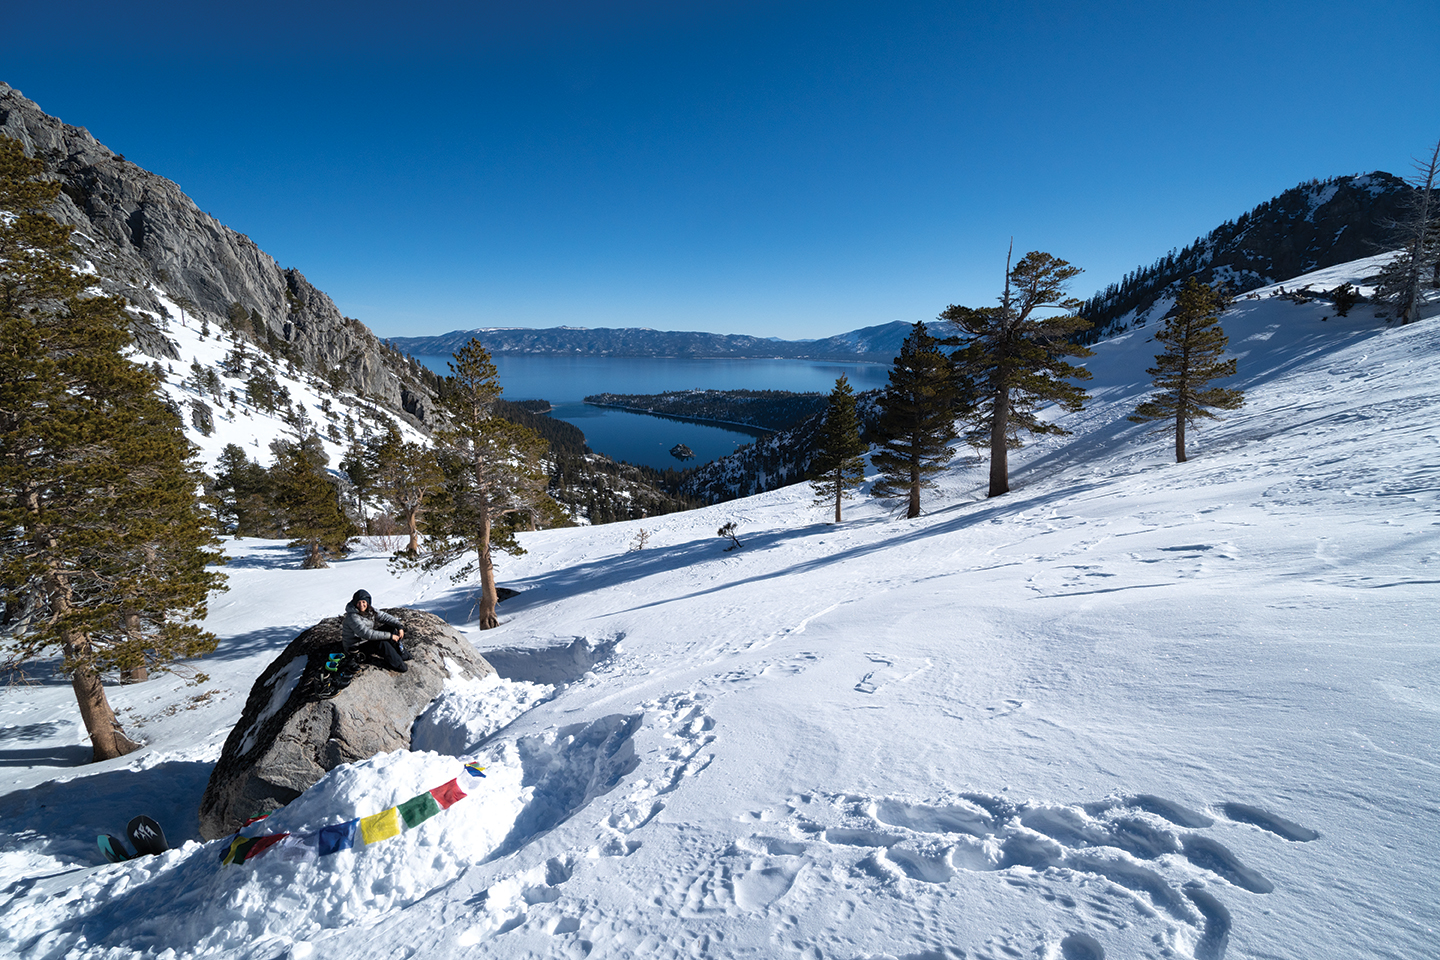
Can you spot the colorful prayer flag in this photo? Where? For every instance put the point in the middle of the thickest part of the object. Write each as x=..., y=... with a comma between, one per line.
x=336, y=837
x=380, y=826
x=475, y=769
x=417, y=810
x=238, y=846
x=448, y=794
x=298, y=847
x=262, y=844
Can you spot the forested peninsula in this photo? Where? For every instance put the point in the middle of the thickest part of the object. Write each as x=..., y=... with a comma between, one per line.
x=758, y=410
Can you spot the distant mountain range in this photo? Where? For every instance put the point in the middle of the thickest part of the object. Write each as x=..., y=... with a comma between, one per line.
x=878, y=344
x=1313, y=225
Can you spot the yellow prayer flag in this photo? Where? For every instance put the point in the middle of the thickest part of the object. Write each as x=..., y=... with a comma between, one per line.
x=380, y=826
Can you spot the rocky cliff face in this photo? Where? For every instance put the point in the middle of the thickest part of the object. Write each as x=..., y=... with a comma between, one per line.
x=141, y=232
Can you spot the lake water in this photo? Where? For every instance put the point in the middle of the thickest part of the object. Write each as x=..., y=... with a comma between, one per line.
x=638, y=437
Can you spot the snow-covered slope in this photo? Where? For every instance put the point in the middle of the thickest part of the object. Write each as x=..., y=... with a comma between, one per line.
x=336, y=415
x=1132, y=709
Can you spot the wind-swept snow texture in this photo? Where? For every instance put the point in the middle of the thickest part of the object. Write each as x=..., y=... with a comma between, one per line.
x=1133, y=709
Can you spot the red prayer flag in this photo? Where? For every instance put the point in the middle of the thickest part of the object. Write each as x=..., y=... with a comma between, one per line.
x=262, y=844
x=446, y=794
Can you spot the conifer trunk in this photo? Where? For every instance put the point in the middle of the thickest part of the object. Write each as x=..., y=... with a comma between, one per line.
x=412, y=528
x=999, y=445
x=1180, y=433
x=140, y=673
x=839, y=494
x=914, y=510
x=107, y=739
x=489, y=596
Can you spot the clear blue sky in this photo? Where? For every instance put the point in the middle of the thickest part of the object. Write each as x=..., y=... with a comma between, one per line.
x=794, y=169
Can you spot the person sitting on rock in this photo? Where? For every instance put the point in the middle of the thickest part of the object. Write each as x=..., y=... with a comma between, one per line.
x=373, y=631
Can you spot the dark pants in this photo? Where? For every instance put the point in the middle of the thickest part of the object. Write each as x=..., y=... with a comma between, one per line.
x=386, y=652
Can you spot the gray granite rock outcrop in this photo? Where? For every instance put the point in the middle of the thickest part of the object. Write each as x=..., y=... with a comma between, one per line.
x=139, y=229
x=286, y=739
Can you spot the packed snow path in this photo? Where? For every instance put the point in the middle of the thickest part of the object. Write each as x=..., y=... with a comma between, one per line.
x=1132, y=709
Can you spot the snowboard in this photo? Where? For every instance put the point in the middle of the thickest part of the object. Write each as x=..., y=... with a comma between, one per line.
x=146, y=836
x=113, y=848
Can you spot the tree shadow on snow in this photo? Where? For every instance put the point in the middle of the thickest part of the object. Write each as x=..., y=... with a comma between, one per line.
x=275, y=556
x=62, y=818
x=245, y=645
x=54, y=755
x=989, y=512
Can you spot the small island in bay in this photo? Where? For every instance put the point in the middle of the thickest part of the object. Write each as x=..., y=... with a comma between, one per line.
x=682, y=452
x=757, y=411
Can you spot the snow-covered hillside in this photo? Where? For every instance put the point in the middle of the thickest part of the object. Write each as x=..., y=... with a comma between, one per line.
x=1132, y=709
x=336, y=415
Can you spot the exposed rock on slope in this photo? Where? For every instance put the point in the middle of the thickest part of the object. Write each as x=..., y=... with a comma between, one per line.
x=139, y=230
x=286, y=740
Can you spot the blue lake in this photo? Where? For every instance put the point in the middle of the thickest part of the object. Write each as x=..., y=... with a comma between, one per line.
x=638, y=437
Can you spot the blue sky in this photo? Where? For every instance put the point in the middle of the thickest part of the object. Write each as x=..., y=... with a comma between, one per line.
x=782, y=169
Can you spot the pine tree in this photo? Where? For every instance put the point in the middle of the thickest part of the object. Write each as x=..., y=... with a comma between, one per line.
x=839, y=464
x=1016, y=354
x=104, y=549
x=917, y=420
x=403, y=473
x=494, y=480
x=309, y=502
x=243, y=494
x=1194, y=343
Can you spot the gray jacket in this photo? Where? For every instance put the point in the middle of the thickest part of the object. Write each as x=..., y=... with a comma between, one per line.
x=358, y=627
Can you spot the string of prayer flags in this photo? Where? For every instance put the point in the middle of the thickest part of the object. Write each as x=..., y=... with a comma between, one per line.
x=341, y=836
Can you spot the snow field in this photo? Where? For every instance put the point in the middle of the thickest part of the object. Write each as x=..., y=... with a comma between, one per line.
x=1132, y=709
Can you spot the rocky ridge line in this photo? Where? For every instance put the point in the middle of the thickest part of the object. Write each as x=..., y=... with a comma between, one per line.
x=140, y=230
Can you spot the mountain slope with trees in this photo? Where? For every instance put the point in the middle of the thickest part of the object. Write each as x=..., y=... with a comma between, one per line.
x=1314, y=225
x=148, y=241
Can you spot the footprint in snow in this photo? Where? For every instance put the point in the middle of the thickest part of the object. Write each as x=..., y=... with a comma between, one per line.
x=1137, y=852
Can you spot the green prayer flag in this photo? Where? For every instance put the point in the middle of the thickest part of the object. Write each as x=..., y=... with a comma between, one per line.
x=418, y=809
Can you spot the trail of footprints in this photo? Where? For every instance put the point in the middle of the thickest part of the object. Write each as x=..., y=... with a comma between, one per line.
x=688, y=731
x=507, y=904
x=1149, y=853
x=1099, y=863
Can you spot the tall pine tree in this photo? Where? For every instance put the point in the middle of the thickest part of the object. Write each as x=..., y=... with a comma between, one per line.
x=105, y=552
x=1194, y=343
x=404, y=473
x=917, y=420
x=839, y=464
x=494, y=479
x=1016, y=355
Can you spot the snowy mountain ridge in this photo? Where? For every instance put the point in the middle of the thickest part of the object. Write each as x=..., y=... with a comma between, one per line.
x=1131, y=709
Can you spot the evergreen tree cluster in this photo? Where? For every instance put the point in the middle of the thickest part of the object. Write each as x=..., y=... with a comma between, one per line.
x=296, y=497
x=106, y=553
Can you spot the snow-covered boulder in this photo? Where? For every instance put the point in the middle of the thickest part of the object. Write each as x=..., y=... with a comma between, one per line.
x=287, y=738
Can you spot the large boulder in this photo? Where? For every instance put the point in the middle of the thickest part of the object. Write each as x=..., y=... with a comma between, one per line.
x=287, y=739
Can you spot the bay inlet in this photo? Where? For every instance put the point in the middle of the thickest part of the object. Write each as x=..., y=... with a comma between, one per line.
x=644, y=439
